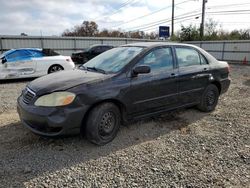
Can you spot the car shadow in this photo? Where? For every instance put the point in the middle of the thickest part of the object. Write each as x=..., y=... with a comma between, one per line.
x=25, y=156
x=10, y=81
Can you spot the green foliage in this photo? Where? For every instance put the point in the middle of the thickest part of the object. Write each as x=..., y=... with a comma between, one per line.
x=187, y=33
x=191, y=33
x=90, y=29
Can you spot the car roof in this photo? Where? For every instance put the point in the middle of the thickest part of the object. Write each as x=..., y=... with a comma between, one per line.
x=155, y=44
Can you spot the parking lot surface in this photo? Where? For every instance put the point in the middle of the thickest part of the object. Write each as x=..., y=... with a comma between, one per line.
x=186, y=148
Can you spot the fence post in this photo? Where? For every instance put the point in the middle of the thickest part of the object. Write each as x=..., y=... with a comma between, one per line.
x=1, y=45
x=42, y=45
x=201, y=44
x=75, y=44
x=223, y=51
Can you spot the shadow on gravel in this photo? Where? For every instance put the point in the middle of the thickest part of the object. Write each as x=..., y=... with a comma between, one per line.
x=16, y=80
x=25, y=156
x=247, y=83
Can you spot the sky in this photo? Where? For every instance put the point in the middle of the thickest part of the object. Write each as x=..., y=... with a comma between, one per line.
x=52, y=17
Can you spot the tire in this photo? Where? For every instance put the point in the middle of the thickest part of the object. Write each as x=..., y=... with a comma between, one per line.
x=103, y=123
x=209, y=98
x=55, y=68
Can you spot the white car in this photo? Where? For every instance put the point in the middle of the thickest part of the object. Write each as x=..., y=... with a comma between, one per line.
x=32, y=62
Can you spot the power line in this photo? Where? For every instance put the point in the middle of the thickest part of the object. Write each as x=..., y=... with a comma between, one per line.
x=224, y=6
x=160, y=21
x=229, y=11
x=187, y=15
x=169, y=21
x=165, y=21
x=129, y=2
x=146, y=15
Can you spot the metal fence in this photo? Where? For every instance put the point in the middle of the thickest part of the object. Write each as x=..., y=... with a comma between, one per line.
x=234, y=51
x=63, y=45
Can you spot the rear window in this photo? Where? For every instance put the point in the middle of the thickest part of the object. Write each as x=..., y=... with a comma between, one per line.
x=49, y=52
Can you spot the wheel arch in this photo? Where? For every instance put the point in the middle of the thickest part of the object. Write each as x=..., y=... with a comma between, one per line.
x=217, y=84
x=122, y=107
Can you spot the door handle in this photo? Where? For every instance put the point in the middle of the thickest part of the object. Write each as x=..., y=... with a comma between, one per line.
x=205, y=69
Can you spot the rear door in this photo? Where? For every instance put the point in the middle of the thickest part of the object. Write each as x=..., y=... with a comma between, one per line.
x=193, y=74
x=157, y=90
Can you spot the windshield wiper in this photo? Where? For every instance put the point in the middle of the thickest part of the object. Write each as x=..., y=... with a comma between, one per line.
x=82, y=67
x=96, y=69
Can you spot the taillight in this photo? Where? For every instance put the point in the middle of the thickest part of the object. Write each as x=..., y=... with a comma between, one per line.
x=228, y=68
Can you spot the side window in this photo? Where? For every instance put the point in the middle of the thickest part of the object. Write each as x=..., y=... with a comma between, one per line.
x=160, y=59
x=97, y=49
x=187, y=57
x=105, y=48
x=18, y=55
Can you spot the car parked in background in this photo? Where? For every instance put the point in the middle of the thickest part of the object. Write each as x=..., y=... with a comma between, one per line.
x=126, y=83
x=89, y=53
x=32, y=62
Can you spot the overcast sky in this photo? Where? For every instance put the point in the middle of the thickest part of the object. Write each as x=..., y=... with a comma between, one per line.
x=52, y=17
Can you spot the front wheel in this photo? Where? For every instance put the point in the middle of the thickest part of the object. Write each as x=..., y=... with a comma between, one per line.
x=209, y=98
x=103, y=123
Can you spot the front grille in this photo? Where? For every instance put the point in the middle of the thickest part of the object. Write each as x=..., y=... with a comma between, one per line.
x=28, y=95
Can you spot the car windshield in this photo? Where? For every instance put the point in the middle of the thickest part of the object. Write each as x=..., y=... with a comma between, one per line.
x=113, y=60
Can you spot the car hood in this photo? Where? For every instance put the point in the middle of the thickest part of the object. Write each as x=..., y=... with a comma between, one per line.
x=64, y=80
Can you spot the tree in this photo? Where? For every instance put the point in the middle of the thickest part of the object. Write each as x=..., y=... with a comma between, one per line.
x=86, y=29
x=211, y=27
x=189, y=33
x=23, y=34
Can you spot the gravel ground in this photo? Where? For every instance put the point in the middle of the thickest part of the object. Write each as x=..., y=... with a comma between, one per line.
x=181, y=149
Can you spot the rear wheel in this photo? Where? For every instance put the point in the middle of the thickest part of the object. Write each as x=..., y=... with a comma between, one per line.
x=209, y=98
x=103, y=123
x=55, y=68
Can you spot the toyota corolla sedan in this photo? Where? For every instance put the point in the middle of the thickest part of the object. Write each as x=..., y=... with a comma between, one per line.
x=32, y=62
x=126, y=83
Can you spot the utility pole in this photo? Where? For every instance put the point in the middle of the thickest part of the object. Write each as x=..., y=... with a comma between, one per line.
x=203, y=18
x=172, y=29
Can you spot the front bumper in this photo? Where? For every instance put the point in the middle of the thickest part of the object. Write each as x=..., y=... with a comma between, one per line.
x=51, y=121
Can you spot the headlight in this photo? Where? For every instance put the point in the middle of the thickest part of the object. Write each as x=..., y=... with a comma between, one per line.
x=55, y=99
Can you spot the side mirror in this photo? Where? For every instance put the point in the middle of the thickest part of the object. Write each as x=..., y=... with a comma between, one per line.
x=141, y=70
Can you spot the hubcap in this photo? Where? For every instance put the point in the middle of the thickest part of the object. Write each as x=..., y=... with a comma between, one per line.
x=210, y=98
x=55, y=69
x=107, y=124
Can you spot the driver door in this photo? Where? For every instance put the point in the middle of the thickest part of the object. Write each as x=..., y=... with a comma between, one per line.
x=157, y=90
